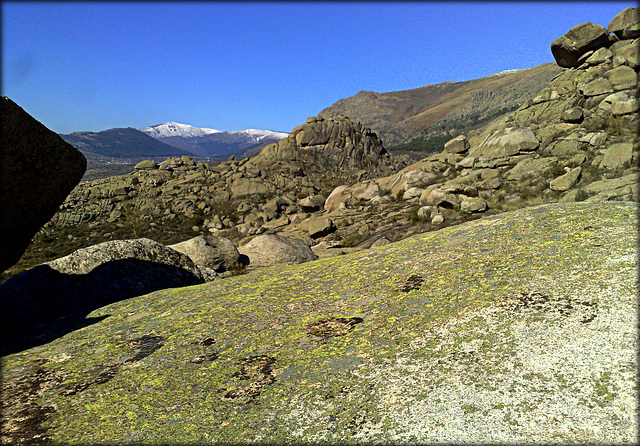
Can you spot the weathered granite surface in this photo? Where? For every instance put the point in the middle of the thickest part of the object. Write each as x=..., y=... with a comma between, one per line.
x=516, y=328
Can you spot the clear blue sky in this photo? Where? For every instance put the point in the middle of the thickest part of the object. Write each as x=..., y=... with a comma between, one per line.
x=230, y=66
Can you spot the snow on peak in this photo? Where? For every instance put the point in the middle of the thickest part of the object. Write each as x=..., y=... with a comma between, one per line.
x=502, y=73
x=259, y=135
x=169, y=129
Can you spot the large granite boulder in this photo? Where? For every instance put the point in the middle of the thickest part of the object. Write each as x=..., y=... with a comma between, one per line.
x=92, y=277
x=625, y=24
x=272, y=249
x=38, y=169
x=215, y=252
x=568, y=49
x=332, y=143
x=506, y=142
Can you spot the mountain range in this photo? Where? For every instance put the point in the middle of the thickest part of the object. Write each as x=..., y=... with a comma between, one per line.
x=169, y=139
x=209, y=142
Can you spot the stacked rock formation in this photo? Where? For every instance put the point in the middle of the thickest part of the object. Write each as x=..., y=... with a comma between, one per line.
x=37, y=171
x=332, y=145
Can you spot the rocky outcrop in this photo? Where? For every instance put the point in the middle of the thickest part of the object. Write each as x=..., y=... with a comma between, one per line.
x=271, y=249
x=37, y=172
x=332, y=144
x=579, y=130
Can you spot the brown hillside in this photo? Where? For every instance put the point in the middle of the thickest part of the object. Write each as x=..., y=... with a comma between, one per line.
x=435, y=110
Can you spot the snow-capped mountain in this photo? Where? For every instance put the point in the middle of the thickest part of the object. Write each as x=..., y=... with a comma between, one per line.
x=169, y=129
x=210, y=142
x=259, y=135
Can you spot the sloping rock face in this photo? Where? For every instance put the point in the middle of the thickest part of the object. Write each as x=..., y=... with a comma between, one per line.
x=37, y=171
x=513, y=329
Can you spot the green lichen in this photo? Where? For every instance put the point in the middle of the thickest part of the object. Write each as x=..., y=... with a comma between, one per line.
x=457, y=325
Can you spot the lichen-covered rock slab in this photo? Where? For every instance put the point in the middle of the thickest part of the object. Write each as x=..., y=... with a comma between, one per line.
x=500, y=330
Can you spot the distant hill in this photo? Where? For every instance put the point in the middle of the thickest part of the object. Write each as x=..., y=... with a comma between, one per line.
x=430, y=115
x=121, y=143
x=212, y=143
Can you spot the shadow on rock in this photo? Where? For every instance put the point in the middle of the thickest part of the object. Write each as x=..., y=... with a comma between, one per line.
x=42, y=304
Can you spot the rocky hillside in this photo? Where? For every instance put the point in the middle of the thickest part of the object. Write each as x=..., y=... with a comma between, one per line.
x=332, y=183
x=520, y=326
x=576, y=140
x=431, y=113
x=284, y=186
x=513, y=329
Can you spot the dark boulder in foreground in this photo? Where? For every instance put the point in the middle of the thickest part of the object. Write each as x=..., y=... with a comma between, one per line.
x=92, y=277
x=38, y=169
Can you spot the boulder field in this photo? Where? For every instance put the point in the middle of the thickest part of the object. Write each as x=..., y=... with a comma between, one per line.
x=332, y=184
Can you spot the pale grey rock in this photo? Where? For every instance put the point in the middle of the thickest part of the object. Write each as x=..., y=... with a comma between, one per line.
x=529, y=167
x=382, y=241
x=244, y=187
x=217, y=253
x=459, y=144
x=623, y=104
x=467, y=163
x=599, y=56
x=473, y=205
x=617, y=155
x=573, y=115
x=566, y=181
x=273, y=249
x=146, y=165
x=311, y=203
x=437, y=219
x=435, y=196
x=506, y=142
x=622, y=78
x=319, y=226
x=619, y=98
x=597, y=87
x=350, y=195
x=411, y=193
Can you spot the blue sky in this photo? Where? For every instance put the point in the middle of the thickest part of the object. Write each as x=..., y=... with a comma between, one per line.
x=230, y=66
